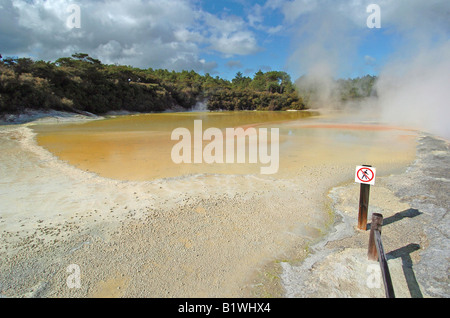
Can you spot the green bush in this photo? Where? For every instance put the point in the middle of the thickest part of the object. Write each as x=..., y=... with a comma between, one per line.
x=82, y=83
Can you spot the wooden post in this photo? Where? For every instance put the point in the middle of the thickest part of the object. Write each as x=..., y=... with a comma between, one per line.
x=363, y=204
x=376, y=251
x=388, y=287
x=377, y=223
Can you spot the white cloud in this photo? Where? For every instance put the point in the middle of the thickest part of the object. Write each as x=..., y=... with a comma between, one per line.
x=237, y=43
x=274, y=30
x=256, y=17
x=370, y=60
x=401, y=14
x=168, y=34
x=229, y=35
x=330, y=32
x=294, y=9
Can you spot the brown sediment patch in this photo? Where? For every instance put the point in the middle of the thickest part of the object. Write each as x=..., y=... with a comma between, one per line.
x=110, y=288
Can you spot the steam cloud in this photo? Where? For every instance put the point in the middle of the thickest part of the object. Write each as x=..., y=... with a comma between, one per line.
x=412, y=86
x=415, y=91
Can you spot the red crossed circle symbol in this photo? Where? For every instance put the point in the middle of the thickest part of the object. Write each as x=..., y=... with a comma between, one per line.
x=365, y=174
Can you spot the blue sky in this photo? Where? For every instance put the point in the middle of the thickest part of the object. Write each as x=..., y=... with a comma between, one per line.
x=222, y=37
x=373, y=47
x=273, y=48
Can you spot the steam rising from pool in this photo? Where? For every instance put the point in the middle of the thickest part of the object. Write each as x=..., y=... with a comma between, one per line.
x=413, y=78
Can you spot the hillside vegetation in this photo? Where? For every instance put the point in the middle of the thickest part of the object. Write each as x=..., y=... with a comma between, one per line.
x=81, y=83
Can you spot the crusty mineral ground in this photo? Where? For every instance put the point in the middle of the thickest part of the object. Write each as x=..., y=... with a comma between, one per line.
x=217, y=235
x=197, y=236
x=415, y=236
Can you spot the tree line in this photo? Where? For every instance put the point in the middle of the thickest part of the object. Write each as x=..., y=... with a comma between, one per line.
x=81, y=83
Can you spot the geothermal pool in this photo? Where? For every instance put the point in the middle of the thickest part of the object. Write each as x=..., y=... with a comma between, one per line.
x=138, y=147
x=139, y=225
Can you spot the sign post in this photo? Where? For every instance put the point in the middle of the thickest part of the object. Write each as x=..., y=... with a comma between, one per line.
x=365, y=175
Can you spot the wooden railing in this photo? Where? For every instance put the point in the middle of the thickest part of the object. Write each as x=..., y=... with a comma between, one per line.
x=376, y=251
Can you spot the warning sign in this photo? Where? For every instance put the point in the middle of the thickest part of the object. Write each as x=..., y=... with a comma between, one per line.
x=365, y=175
